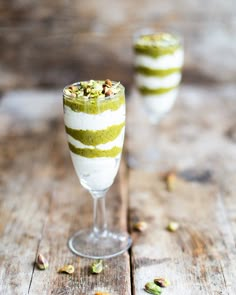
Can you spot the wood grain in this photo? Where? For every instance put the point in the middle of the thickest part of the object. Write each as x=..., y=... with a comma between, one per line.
x=42, y=204
x=196, y=141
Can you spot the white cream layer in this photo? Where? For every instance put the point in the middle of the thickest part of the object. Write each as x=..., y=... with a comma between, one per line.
x=168, y=61
x=84, y=121
x=106, y=146
x=96, y=173
x=162, y=103
x=154, y=82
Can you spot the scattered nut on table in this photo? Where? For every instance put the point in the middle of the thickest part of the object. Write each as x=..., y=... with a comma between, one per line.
x=171, y=180
x=66, y=269
x=140, y=226
x=41, y=262
x=152, y=288
x=162, y=282
x=172, y=226
x=97, y=266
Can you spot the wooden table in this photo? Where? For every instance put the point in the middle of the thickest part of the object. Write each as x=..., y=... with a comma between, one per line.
x=42, y=202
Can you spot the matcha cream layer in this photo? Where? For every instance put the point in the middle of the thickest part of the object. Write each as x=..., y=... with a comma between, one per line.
x=158, y=63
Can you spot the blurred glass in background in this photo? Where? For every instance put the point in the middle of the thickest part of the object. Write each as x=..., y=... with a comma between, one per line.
x=52, y=43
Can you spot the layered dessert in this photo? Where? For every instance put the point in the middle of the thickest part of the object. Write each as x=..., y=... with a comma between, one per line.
x=158, y=63
x=94, y=114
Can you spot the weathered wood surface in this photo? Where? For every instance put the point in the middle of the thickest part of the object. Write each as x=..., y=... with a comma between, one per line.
x=46, y=43
x=197, y=140
x=42, y=204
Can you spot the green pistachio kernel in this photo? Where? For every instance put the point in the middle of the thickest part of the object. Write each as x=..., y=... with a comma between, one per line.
x=97, y=267
x=152, y=288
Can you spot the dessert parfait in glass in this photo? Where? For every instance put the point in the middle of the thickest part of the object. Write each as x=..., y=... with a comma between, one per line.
x=158, y=63
x=94, y=115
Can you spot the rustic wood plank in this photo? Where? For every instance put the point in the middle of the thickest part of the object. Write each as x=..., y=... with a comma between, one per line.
x=42, y=204
x=197, y=141
x=199, y=144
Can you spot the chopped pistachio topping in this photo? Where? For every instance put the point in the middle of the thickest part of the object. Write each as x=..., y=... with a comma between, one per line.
x=158, y=40
x=156, y=45
x=92, y=89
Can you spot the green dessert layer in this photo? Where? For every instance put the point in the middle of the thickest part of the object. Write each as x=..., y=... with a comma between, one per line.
x=158, y=73
x=92, y=106
x=156, y=44
x=94, y=97
x=155, y=52
x=96, y=137
x=95, y=153
x=146, y=91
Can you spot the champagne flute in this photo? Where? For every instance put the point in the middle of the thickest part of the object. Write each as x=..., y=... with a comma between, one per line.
x=94, y=115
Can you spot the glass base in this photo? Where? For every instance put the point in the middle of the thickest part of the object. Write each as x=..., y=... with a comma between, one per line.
x=86, y=243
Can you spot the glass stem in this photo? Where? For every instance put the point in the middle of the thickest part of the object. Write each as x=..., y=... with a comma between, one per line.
x=99, y=213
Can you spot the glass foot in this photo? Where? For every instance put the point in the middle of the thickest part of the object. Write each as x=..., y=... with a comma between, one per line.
x=86, y=243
